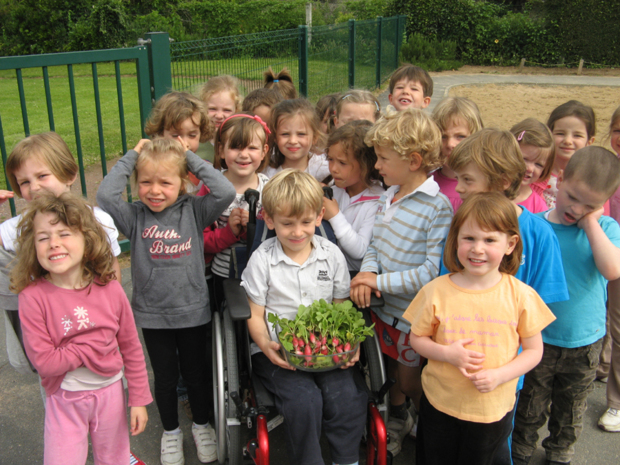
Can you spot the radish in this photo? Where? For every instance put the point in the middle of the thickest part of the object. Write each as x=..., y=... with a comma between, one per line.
x=298, y=352
x=301, y=343
x=347, y=347
x=335, y=342
x=324, y=340
x=336, y=359
x=295, y=342
x=308, y=353
x=312, y=338
x=324, y=350
x=339, y=349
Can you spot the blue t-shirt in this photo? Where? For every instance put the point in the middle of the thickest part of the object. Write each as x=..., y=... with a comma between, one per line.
x=580, y=320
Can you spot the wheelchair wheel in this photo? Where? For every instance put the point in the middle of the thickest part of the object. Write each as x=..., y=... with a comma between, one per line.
x=373, y=368
x=226, y=380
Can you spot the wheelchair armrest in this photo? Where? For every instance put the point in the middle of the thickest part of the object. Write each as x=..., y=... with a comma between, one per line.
x=374, y=300
x=237, y=300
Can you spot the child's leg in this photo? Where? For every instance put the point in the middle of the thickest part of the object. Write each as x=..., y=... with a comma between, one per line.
x=66, y=429
x=196, y=369
x=410, y=382
x=344, y=413
x=573, y=382
x=300, y=401
x=613, y=384
x=108, y=427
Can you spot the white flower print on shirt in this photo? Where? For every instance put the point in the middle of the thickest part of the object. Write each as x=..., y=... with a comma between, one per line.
x=82, y=317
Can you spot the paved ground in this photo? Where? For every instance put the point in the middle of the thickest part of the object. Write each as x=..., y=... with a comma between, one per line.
x=21, y=408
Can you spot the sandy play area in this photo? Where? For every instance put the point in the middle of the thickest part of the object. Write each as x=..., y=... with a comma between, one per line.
x=504, y=105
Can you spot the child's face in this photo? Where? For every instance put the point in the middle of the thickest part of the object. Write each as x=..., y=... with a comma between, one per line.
x=60, y=249
x=294, y=137
x=575, y=200
x=408, y=94
x=570, y=134
x=355, y=112
x=471, y=180
x=295, y=233
x=481, y=252
x=456, y=132
x=219, y=107
x=158, y=185
x=345, y=170
x=244, y=162
x=392, y=166
x=535, y=161
x=35, y=178
x=615, y=137
x=188, y=130
x=264, y=112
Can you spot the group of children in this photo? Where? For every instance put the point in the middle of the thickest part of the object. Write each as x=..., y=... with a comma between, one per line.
x=489, y=247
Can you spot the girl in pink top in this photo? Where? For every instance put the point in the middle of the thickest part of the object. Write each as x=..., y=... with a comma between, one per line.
x=538, y=150
x=79, y=333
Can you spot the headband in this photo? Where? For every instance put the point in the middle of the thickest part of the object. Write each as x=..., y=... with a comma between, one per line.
x=243, y=115
x=351, y=95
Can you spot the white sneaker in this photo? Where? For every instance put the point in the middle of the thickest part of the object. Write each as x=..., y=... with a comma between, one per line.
x=397, y=430
x=610, y=421
x=206, y=445
x=172, y=449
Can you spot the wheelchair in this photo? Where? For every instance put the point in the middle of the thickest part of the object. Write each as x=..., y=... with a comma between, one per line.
x=242, y=403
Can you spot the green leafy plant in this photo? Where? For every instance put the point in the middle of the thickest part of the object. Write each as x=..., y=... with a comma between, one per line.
x=430, y=54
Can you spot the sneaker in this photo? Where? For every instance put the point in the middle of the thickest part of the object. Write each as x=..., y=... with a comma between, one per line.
x=187, y=409
x=172, y=449
x=206, y=445
x=610, y=421
x=397, y=430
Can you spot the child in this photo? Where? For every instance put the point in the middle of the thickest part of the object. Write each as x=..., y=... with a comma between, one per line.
x=296, y=135
x=538, y=150
x=281, y=82
x=469, y=325
x=610, y=356
x=296, y=267
x=170, y=299
x=458, y=118
x=260, y=102
x=590, y=256
x=357, y=189
x=79, y=332
x=241, y=146
x=411, y=224
x=326, y=110
x=357, y=105
x=410, y=87
x=573, y=126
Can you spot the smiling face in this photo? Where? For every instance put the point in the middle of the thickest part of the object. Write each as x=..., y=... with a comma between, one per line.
x=158, y=185
x=355, y=112
x=615, y=137
x=535, y=160
x=471, y=180
x=294, y=137
x=408, y=94
x=188, y=130
x=60, y=250
x=295, y=232
x=575, y=200
x=243, y=162
x=345, y=170
x=219, y=107
x=35, y=178
x=569, y=134
x=456, y=132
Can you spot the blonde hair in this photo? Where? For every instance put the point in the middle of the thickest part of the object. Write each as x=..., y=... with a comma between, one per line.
x=360, y=97
x=292, y=193
x=406, y=132
x=162, y=151
x=78, y=215
x=597, y=167
x=172, y=109
x=281, y=82
x=237, y=132
x=496, y=153
x=458, y=108
x=327, y=104
x=491, y=211
x=289, y=109
x=50, y=149
x=577, y=109
x=224, y=83
x=532, y=132
x=413, y=73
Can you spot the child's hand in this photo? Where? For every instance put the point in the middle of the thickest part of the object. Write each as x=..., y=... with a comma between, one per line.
x=331, y=208
x=245, y=218
x=139, y=417
x=138, y=148
x=361, y=287
x=353, y=360
x=590, y=219
x=272, y=351
x=485, y=380
x=183, y=143
x=5, y=195
x=464, y=359
x=235, y=221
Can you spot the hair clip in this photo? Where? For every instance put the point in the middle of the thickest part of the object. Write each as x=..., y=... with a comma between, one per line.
x=521, y=136
x=276, y=80
x=256, y=118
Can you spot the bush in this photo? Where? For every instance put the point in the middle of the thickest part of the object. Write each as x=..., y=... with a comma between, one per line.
x=432, y=55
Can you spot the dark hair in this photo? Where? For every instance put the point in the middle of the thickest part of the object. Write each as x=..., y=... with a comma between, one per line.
x=532, y=132
x=174, y=108
x=282, y=82
x=258, y=97
x=413, y=73
x=578, y=110
x=238, y=132
x=351, y=137
x=596, y=167
x=326, y=104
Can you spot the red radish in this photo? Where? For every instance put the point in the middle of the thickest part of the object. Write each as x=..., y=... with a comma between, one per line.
x=295, y=342
x=308, y=353
x=339, y=349
x=336, y=359
x=335, y=342
x=324, y=340
x=317, y=349
x=347, y=347
x=324, y=350
x=301, y=342
x=298, y=352
x=312, y=338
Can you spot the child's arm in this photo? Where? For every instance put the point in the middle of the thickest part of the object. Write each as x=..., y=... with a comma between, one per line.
x=260, y=335
x=487, y=380
x=139, y=417
x=218, y=239
x=4, y=196
x=606, y=254
x=355, y=244
x=455, y=354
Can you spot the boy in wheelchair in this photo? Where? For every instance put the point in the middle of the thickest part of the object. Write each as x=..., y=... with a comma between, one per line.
x=296, y=267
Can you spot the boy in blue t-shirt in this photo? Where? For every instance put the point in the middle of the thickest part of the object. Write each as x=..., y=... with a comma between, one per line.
x=590, y=245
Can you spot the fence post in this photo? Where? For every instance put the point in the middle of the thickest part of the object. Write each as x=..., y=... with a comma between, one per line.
x=351, y=53
x=303, y=60
x=397, y=42
x=580, y=66
x=378, y=66
x=158, y=44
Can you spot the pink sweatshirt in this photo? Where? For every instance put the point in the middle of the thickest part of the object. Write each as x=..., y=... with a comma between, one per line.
x=65, y=329
x=535, y=203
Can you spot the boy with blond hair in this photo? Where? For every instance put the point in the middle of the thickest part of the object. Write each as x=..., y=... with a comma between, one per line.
x=411, y=225
x=590, y=245
x=410, y=87
x=296, y=267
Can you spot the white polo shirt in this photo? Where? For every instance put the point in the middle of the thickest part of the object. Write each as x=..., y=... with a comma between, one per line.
x=273, y=280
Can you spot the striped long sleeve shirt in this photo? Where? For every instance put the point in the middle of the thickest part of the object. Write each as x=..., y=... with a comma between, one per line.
x=405, y=251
